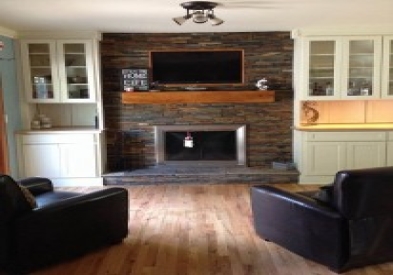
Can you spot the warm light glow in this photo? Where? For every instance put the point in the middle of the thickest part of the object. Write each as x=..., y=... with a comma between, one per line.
x=353, y=112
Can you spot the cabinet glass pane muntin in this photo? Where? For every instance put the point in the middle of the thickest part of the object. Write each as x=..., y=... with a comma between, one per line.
x=76, y=70
x=361, y=47
x=39, y=48
x=360, y=68
x=39, y=60
x=42, y=87
x=75, y=60
x=321, y=61
x=321, y=68
x=322, y=47
x=74, y=48
x=361, y=61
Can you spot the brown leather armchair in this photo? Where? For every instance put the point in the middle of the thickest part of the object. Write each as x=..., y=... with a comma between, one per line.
x=62, y=225
x=345, y=225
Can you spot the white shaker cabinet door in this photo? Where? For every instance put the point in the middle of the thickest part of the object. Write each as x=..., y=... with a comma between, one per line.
x=366, y=154
x=324, y=158
x=41, y=160
x=78, y=160
x=390, y=154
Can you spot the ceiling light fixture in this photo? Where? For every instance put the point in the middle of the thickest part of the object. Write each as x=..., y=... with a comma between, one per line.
x=200, y=12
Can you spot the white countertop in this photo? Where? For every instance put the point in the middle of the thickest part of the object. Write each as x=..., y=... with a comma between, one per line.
x=345, y=127
x=60, y=130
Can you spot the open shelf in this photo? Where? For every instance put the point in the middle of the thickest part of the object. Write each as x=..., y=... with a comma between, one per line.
x=198, y=97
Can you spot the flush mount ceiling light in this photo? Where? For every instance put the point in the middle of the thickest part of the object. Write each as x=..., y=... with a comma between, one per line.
x=200, y=12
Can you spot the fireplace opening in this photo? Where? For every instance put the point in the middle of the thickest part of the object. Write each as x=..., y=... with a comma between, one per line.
x=206, y=145
x=200, y=144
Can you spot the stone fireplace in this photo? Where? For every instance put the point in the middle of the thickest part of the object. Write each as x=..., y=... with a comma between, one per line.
x=200, y=144
x=130, y=128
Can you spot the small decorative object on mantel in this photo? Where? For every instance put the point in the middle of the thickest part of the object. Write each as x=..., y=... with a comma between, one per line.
x=135, y=79
x=262, y=84
x=154, y=86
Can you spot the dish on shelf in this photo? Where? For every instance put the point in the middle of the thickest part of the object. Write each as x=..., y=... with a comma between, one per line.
x=77, y=79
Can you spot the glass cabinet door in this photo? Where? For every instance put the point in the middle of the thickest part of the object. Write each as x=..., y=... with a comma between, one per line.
x=76, y=71
x=388, y=67
x=321, y=74
x=390, y=70
x=343, y=67
x=41, y=75
x=363, y=67
x=59, y=70
x=360, y=69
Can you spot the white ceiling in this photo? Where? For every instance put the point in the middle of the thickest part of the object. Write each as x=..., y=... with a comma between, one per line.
x=155, y=15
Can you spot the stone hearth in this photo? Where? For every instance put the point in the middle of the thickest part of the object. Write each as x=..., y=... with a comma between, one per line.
x=162, y=174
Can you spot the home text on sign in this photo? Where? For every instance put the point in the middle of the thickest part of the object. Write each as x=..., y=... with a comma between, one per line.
x=135, y=79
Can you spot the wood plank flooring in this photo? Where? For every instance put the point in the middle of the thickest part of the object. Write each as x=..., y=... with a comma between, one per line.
x=195, y=230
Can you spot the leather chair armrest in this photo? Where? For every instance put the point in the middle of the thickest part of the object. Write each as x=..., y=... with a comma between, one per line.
x=37, y=185
x=70, y=227
x=301, y=225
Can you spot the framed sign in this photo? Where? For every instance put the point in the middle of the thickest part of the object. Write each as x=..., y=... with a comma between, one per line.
x=135, y=79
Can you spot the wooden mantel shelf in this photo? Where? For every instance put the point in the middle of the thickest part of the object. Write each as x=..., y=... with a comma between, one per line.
x=198, y=97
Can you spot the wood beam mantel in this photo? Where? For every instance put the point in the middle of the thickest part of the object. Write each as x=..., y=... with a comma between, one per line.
x=198, y=97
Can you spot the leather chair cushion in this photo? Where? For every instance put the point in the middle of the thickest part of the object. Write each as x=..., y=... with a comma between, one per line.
x=52, y=197
x=28, y=196
x=325, y=195
x=363, y=193
x=12, y=201
x=37, y=185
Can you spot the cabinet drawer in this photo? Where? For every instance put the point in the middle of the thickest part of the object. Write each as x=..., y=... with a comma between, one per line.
x=390, y=135
x=58, y=138
x=346, y=136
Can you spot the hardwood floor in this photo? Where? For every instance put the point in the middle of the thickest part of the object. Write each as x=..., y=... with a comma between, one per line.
x=195, y=230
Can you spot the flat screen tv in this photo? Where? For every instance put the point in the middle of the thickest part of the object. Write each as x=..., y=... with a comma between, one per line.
x=197, y=67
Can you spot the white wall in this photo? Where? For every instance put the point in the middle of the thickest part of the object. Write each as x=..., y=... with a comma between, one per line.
x=8, y=73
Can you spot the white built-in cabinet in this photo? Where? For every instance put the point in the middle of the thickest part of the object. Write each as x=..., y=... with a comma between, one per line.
x=67, y=158
x=325, y=153
x=60, y=156
x=61, y=81
x=344, y=67
x=58, y=71
x=341, y=67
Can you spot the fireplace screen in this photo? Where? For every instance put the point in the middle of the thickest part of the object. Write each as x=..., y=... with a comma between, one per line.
x=200, y=144
x=206, y=145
